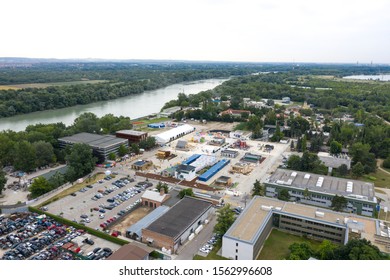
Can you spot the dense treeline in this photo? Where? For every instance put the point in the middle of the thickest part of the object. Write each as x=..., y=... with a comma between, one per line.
x=38, y=146
x=120, y=80
x=355, y=249
x=123, y=79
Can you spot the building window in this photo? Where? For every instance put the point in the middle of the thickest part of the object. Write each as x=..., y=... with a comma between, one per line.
x=236, y=251
x=236, y=244
x=236, y=257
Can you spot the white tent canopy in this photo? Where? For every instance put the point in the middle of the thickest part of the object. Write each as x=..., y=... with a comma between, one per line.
x=174, y=133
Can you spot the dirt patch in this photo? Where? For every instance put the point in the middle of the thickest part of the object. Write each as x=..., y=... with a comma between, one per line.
x=132, y=218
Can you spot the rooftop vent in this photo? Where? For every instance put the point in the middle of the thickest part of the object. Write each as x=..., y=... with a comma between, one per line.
x=307, y=176
x=320, y=214
x=320, y=181
x=294, y=174
x=266, y=208
x=349, y=186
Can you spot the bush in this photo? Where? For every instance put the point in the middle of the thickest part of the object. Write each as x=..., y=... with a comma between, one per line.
x=386, y=163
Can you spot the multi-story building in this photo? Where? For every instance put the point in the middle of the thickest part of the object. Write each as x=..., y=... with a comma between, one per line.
x=319, y=190
x=133, y=136
x=102, y=145
x=245, y=238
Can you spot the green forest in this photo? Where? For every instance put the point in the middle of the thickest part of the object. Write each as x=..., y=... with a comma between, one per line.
x=119, y=79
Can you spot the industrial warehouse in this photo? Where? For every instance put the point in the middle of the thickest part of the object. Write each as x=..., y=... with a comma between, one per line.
x=178, y=225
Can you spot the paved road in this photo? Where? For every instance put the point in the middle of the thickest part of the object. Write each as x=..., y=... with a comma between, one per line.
x=191, y=248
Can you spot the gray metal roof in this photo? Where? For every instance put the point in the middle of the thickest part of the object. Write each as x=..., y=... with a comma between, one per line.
x=323, y=184
x=182, y=215
x=147, y=220
x=94, y=140
x=131, y=132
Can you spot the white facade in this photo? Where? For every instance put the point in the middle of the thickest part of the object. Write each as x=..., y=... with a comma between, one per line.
x=236, y=249
x=174, y=133
x=187, y=175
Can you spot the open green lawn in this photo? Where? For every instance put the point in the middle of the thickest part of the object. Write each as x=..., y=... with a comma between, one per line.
x=382, y=179
x=276, y=245
x=142, y=124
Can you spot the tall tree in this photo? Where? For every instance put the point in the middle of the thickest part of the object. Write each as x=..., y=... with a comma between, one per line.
x=258, y=189
x=39, y=187
x=339, y=203
x=224, y=220
x=358, y=170
x=326, y=251
x=57, y=180
x=304, y=144
x=300, y=251
x=86, y=122
x=44, y=153
x=3, y=180
x=80, y=161
x=359, y=249
x=122, y=150
x=284, y=195
x=335, y=147
x=24, y=156
x=186, y=192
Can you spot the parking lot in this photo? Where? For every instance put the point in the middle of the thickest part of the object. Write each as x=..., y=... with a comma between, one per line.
x=37, y=237
x=101, y=203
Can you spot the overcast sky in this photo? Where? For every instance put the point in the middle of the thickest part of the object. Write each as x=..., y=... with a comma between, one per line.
x=218, y=30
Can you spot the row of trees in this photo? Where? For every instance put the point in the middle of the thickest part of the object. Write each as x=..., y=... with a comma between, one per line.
x=355, y=249
x=308, y=162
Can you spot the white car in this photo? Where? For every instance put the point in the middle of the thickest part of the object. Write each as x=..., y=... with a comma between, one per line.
x=204, y=250
x=101, y=216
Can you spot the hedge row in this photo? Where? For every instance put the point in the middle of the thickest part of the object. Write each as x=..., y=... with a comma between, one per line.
x=78, y=226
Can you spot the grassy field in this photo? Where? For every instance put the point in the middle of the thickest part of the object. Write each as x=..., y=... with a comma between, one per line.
x=45, y=85
x=213, y=254
x=73, y=189
x=142, y=124
x=382, y=179
x=276, y=246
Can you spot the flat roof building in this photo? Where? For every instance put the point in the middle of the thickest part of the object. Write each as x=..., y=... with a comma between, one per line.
x=319, y=190
x=102, y=145
x=135, y=230
x=331, y=161
x=229, y=153
x=141, y=165
x=246, y=236
x=174, y=227
x=154, y=199
x=185, y=172
x=131, y=252
x=133, y=136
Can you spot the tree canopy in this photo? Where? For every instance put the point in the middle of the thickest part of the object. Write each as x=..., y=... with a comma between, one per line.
x=225, y=218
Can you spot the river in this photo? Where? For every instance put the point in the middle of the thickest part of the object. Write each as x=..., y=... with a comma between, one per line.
x=133, y=106
x=382, y=77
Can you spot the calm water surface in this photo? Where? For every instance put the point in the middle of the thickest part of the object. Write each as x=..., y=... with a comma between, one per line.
x=133, y=106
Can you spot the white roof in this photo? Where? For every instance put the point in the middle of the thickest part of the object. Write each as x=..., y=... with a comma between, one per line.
x=169, y=135
x=152, y=195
